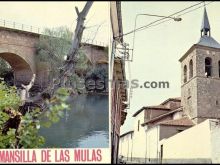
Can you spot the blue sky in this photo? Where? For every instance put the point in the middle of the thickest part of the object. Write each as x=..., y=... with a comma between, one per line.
x=158, y=49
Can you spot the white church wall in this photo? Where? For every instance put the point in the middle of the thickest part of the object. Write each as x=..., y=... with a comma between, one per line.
x=125, y=147
x=152, y=140
x=189, y=146
x=215, y=141
x=139, y=142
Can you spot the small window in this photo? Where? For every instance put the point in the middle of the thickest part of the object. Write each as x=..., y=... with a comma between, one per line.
x=208, y=67
x=185, y=74
x=190, y=69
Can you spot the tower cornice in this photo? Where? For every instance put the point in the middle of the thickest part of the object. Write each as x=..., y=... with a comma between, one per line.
x=196, y=46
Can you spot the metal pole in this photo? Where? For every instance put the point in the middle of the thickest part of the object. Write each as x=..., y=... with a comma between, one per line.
x=134, y=36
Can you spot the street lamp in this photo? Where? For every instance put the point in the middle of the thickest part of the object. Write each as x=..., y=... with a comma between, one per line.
x=174, y=18
x=133, y=31
x=177, y=19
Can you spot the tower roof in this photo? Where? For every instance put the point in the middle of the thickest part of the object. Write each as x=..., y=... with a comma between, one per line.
x=208, y=41
x=205, y=22
x=205, y=39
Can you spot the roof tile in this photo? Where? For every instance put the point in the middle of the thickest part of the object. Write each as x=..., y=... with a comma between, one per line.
x=185, y=121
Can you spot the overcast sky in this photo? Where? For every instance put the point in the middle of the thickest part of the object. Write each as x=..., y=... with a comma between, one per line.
x=54, y=14
x=158, y=49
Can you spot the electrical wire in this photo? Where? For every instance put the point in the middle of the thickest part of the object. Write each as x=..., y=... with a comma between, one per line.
x=166, y=19
x=151, y=25
x=177, y=16
x=143, y=27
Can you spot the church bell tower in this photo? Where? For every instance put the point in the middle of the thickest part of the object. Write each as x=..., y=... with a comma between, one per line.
x=200, y=76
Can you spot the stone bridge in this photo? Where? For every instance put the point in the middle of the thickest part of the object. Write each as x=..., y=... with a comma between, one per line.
x=17, y=47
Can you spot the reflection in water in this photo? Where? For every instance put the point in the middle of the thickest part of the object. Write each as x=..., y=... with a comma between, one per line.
x=85, y=125
x=97, y=140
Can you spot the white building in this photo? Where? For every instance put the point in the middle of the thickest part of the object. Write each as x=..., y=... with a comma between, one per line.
x=200, y=143
x=151, y=125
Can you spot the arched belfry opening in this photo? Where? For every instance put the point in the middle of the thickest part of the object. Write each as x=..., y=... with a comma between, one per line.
x=208, y=67
x=185, y=74
x=191, y=68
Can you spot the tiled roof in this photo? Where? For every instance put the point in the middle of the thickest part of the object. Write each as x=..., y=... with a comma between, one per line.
x=159, y=107
x=156, y=107
x=129, y=132
x=172, y=99
x=97, y=58
x=185, y=121
x=208, y=41
x=176, y=98
x=137, y=112
x=162, y=116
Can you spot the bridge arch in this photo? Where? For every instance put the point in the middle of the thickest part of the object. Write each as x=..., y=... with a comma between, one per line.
x=21, y=68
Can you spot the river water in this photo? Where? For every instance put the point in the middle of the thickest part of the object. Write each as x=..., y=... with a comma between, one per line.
x=86, y=125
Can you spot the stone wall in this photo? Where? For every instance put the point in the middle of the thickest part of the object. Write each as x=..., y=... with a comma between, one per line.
x=18, y=49
x=215, y=141
x=200, y=94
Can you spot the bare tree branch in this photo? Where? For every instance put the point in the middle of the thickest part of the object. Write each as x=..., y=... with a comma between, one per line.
x=68, y=68
x=99, y=26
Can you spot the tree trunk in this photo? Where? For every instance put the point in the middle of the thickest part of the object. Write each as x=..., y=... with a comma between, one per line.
x=25, y=91
x=68, y=68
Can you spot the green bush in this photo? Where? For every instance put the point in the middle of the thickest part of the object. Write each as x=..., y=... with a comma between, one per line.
x=25, y=135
